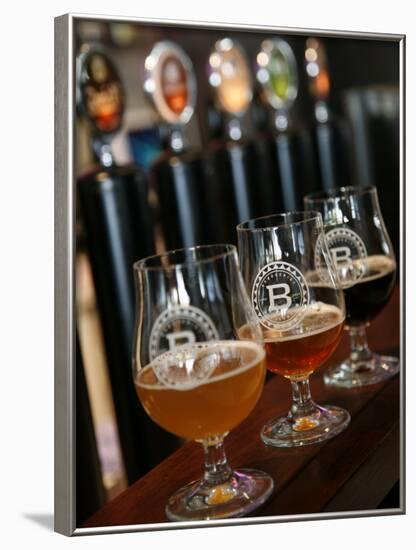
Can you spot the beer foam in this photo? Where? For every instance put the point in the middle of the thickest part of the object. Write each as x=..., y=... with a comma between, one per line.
x=370, y=268
x=318, y=317
x=377, y=266
x=193, y=365
x=319, y=279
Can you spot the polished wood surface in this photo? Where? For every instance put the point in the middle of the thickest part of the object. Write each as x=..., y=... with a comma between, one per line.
x=353, y=471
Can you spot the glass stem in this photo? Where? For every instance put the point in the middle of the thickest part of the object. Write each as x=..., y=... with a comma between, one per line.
x=302, y=404
x=360, y=352
x=217, y=470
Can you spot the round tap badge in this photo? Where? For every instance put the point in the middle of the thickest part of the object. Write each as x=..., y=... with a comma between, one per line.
x=178, y=326
x=230, y=77
x=277, y=73
x=348, y=253
x=100, y=91
x=170, y=81
x=280, y=296
x=317, y=69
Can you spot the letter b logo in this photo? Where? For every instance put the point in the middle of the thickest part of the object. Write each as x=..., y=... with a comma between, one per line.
x=180, y=338
x=341, y=256
x=279, y=297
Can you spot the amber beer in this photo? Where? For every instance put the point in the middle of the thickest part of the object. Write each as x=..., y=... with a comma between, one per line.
x=200, y=391
x=298, y=352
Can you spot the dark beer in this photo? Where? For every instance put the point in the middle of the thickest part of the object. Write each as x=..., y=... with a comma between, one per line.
x=297, y=353
x=371, y=293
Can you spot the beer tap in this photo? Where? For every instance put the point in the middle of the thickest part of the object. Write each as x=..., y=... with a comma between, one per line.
x=100, y=99
x=329, y=132
x=277, y=75
x=230, y=78
x=176, y=175
x=230, y=168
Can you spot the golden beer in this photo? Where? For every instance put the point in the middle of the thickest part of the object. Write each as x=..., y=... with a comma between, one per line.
x=203, y=390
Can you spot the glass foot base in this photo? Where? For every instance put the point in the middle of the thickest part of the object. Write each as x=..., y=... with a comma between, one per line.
x=377, y=369
x=245, y=491
x=324, y=423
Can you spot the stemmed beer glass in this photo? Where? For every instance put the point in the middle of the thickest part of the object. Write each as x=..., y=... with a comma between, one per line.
x=364, y=259
x=301, y=311
x=193, y=376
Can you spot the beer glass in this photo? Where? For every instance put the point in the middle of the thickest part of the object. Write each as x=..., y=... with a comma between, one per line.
x=364, y=259
x=193, y=377
x=301, y=316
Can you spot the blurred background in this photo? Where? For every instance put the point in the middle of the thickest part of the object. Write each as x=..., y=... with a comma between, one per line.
x=180, y=134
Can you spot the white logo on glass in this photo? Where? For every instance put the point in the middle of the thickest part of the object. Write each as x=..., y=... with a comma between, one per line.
x=348, y=253
x=179, y=326
x=280, y=296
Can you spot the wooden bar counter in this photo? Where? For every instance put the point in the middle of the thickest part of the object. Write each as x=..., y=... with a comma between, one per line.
x=354, y=471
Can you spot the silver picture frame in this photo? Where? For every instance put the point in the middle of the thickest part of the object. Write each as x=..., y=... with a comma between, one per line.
x=64, y=209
